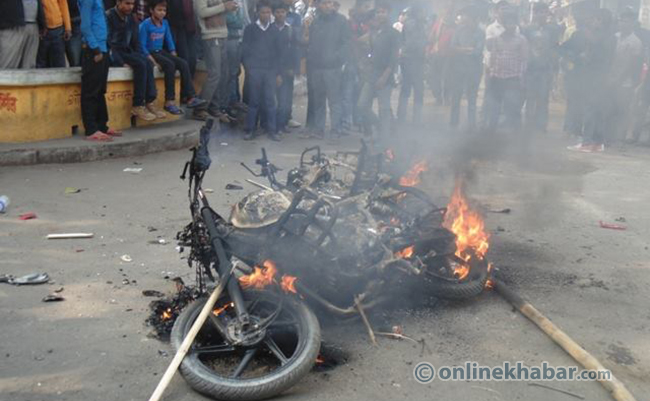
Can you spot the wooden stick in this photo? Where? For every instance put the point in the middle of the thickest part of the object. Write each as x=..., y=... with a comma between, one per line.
x=559, y=390
x=257, y=184
x=70, y=235
x=397, y=336
x=616, y=388
x=371, y=333
x=189, y=339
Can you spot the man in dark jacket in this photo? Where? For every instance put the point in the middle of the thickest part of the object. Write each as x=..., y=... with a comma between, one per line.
x=412, y=60
x=328, y=40
x=125, y=51
x=289, y=63
x=377, y=73
x=19, y=32
x=260, y=50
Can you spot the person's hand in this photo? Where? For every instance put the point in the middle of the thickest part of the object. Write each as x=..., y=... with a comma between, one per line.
x=231, y=5
x=174, y=54
x=67, y=35
x=278, y=80
x=98, y=57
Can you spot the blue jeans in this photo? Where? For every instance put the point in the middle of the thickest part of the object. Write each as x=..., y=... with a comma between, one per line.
x=73, y=46
x=262, y=85
x=350, y=95
x=412, y=81
x=51, y=51
x=326, y=85
x=233, y=54
x=144, y=84
x=503, y=94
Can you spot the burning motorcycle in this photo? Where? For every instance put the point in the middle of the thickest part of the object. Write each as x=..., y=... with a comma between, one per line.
x=311, y=243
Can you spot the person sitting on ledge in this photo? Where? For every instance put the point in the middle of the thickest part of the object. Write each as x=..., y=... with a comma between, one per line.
x=158, y=45
x=125, y=51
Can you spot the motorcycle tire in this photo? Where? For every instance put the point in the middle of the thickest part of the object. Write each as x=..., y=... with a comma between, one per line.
x=470, y=287
x=206, y=381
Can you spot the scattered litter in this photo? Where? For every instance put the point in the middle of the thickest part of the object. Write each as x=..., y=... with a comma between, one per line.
x=151, y=229
x=79, y=250
x=159, y=241
x=72, y=190
x=224, y=143
x=126, y=258
x=152, y=293
x=27, y=216
x=208, y=190
x=70, y=236
x=503, y=211
x=126, y=281
x=58, y=290
x=234, y=187
x=53, y=298
x=163, y=353
x=4, y=203
x=29, y=279
x=621, y=220
x=501, y=229
x=610, y=226
x=398, y=330
x=133, y=170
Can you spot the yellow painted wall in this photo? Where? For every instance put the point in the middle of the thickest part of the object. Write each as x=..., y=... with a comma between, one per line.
x=37, y=113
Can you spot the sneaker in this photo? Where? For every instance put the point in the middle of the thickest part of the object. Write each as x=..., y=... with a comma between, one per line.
x=173, y=109
x=274, y=137
x=581, y=148
x=155, y=111
x=142, y=113
x=294, y=124
x=195, y=102
x=201, y=115
x=249, y=136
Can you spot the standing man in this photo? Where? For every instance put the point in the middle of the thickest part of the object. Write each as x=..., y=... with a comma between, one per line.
x=19, y=31
x=261, y=58
x=211, y=16
x=289, y=62
x=51, y=51
x=183, y=26
x=377, y=76
x=94, y=71
x=543, y=38
x=505, y=74
x=412, y=60
x=327, y=36
x=73, y=45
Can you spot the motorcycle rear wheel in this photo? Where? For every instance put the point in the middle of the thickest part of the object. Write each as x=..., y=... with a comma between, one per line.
x=205, y=367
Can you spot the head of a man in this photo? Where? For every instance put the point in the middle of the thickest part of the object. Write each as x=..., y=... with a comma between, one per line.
x=541, y=13
x=382, y=13
x=264, y=12
x=627, y=21
x=158, y=9
x=325, y=7
x=280, y=11
x=125, y=7
x=500, y=9
x=509, y=20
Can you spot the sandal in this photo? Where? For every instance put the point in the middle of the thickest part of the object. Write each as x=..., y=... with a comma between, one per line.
x=173, y=109
x=113, y=132
x=99, y=137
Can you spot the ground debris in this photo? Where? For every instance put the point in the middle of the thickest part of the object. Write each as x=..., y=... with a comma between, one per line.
x=165, y=311
x=53, y=298
x=152, y=293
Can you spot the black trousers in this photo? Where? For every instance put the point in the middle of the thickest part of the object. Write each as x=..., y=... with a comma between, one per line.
x=186, y=47
x=94, y=76
x=144, y=84
x=170, y=64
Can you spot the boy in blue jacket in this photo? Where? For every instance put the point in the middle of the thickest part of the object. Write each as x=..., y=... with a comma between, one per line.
x=158, y=45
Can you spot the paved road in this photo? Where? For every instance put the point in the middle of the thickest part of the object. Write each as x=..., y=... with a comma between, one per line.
x=590, y=281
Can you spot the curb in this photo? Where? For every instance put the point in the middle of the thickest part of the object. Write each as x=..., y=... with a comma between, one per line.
x=185, y=139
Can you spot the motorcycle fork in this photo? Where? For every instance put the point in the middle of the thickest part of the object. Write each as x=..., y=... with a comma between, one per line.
x=224, y=266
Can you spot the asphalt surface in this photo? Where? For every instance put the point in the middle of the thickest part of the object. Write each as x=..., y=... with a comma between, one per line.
x=592, y=282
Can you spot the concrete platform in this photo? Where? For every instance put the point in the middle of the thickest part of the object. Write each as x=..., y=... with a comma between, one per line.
x=175, y=135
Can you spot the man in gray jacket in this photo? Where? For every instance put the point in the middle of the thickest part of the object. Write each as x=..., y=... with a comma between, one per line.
x=211, y=16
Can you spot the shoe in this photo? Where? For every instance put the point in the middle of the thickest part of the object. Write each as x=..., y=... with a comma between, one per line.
x=195, y=102
x=173, y=109
x=223, y=118
x=274, y=137
x=143, y=113
x=201, y=115
x=113, y=132
x=155, y=111
x=581, y=148
x=294, y=124
x=249, y=136
x=284, y=130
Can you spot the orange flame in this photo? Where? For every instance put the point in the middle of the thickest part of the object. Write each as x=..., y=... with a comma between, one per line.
x=469, y=227
x=167, y=314
x=219, y=311
x=261, y=276
x=319, y=360
x=406, y=253
x=412, y=177
x=288, y=284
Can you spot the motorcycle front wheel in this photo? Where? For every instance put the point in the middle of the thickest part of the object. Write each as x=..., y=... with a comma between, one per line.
x=264, y=365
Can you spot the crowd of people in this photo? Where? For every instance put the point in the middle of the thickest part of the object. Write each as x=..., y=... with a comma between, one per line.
x=521, y=56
